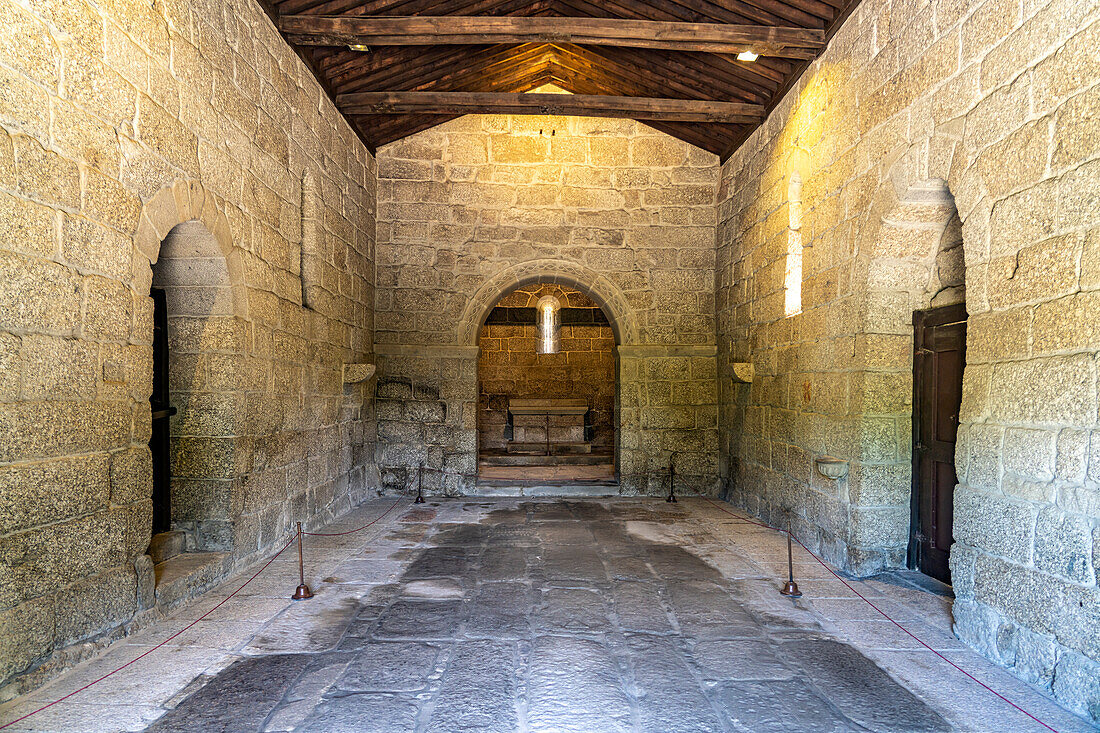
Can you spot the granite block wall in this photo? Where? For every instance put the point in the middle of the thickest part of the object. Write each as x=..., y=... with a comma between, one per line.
x=120, y=122
x=923, y=124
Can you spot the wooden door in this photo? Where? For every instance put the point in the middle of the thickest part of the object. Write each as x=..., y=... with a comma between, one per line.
x=159, y=442
x=940, y=354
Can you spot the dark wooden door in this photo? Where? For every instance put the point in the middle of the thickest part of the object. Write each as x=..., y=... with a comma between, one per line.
x=940, y=341
x=159, y=442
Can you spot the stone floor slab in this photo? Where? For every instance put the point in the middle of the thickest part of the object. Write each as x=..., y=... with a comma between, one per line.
x=576, y=686
x=625, y=614
x=389, y=667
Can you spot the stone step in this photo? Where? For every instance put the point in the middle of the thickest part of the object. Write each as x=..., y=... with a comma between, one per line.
x=512, y=488
x=186, y=575
x=166, y=545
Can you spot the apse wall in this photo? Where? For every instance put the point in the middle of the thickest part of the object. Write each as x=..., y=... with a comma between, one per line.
x=472, y=208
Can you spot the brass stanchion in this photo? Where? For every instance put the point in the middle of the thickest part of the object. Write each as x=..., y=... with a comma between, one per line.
x=302, y=592
x=420, y=485
x=790, y=588
x=671, y=478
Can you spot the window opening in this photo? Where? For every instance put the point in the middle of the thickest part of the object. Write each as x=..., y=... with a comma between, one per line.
x=549, y=325
x=792, y=281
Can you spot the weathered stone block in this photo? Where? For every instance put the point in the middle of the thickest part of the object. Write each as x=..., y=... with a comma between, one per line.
x=1077, y=684
x=38, y=295
x=202, y=457
x=28, y=227
x=95, y=604
x=131, y=477
x=45, y=559
x=48, y=429
x=41, y=493
x=1053, y=390
x=45, y=175
x=1071, y=459
x=995, y=525
x=1029, y=453
x=1072, y=124
x=108, y=312
x=1063, y=546
x=58, y=368
x=27, y=634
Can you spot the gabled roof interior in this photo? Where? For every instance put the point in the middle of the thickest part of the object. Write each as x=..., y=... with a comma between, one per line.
x=603, y=70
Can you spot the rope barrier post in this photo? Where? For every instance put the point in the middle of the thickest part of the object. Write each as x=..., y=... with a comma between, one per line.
x=420, y=485
x=302, y=592
x=791, y=587
x=218, y=605
x=671, y=478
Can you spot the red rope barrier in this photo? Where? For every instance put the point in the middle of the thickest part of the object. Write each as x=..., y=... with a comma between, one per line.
x=158, y=646
x=200, y=618
x=357, y=529
x=882, y=613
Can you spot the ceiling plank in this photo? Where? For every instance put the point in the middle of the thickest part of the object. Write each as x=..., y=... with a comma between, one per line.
x=411, y=76
x=593, y=105
x=328, y=30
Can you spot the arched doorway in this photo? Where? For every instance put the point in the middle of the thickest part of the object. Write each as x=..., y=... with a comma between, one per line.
x=192, y=404
x=547, y=389
x=919, y=252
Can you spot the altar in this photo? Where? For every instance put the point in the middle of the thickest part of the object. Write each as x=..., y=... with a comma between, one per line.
x=548, y=426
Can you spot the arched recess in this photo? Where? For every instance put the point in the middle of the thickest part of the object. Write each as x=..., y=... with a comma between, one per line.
x=606, y=294
x=565, y=361
x=311, y=257
x=186, y=263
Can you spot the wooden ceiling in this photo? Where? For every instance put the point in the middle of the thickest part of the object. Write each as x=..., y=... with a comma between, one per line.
x=679, y=65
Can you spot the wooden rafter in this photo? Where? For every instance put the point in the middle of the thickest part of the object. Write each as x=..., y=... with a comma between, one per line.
x=327, y=30
x=592, y=105
x=680, y=52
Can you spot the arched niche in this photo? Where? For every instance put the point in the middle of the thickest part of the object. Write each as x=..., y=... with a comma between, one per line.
x=912, y=332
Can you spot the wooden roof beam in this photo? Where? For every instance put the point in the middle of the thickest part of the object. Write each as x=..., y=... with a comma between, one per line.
x=590, y=105
x=765, y=40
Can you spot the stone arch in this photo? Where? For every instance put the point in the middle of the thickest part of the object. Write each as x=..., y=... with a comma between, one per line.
x=181, y=202
x=919, y=173
x=606, y=294
x=913, y=244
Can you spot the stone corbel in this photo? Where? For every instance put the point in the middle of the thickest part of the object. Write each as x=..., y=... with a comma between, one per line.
x=742, y=372
x=355, y=373
x=831, y=468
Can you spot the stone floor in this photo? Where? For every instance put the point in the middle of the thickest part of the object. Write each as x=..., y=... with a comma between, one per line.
x=545, y=615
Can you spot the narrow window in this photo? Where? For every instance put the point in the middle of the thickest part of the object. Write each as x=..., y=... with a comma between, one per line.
x=793, y=277
x=548, y=311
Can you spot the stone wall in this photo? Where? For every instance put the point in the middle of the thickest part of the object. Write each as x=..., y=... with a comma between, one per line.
x=119, y=123
x=918, y=117
x=509, y=367
x=474, y=208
